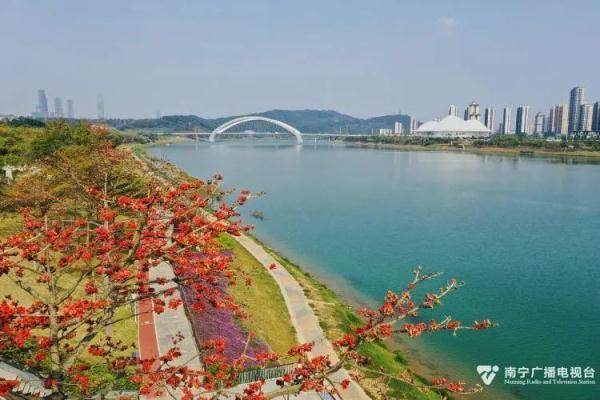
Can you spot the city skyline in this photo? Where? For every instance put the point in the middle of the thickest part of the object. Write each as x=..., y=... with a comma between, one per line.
x=556, y=122
x=222, y=59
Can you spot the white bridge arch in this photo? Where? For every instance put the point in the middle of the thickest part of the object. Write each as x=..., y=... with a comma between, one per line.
x=230, y=124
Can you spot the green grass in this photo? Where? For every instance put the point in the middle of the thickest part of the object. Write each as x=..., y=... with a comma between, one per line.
x=269, y=319
x=10, y=223
x=336, y=319
x=262, y=301
x=125, y=331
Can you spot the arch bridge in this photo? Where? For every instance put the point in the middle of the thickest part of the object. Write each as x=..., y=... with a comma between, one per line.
x=223, y=128
x=236, y=121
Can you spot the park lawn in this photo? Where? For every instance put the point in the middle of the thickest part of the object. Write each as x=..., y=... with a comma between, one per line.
x=10, y=223
x=336, y=319
x=125, y=331
x=262, y=301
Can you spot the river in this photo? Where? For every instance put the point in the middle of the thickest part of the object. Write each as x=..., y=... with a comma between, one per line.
x=523, y=233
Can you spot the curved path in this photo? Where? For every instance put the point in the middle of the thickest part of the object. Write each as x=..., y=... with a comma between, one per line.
x=303, y=318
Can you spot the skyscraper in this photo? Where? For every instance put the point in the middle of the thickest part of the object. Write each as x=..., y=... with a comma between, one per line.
x=539, y=124
x=452, y=110
x=522, y=120
x=488, y=118
x=70, y=112
x=562, y=119
x=58, y=108
x=398, y=128
x=413, y=124
x=506, y=120
x=551, y=120
x=100, y=107
x=585, y=117
x=596, y=117
x=42, y=107
x=473, y=111
x=576, y=99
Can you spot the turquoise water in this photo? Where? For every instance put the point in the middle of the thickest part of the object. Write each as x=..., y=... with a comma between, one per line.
x=523, y=233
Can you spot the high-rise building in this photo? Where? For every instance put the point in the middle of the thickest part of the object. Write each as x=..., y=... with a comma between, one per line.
x=70, y=111
x=452, y=110
x=558, y=120
x=473, y=111
x=42, y=107
x=466, y=114
x=562, y=119
x=58, y=108
x=539, y=124
x=506, y=120
x=596, y=117
x=413, y=124
x=586, y=112
x=522, y=120
x=576, y=99
x=398, y=128
x=488, y=118
x=100, y=107
x=551, y=121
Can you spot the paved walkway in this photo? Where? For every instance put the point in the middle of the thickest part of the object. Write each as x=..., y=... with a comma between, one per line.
x=156, y=331
x=303, y=318
x=171, y=322
x=147, y=342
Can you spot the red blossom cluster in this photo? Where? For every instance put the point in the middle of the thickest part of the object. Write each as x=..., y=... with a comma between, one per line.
x=87, y=268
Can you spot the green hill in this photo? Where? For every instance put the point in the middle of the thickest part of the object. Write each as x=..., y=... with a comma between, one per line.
x=310, y=121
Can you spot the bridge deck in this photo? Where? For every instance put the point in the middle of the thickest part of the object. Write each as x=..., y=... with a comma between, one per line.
x=268, y=133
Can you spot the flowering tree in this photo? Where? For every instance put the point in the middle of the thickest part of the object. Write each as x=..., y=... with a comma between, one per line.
x=80, y=272
x=79, y=265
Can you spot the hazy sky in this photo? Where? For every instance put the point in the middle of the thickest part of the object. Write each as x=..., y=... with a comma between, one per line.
x=365, y=58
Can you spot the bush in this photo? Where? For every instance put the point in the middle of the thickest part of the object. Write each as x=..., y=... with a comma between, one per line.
x=25, y=121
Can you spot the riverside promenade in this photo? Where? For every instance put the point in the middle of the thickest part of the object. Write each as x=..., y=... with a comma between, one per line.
x=156, y=331
x=304, y=320
x=302, y=315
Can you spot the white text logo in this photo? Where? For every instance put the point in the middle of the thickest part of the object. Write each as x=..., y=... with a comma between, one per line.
x=487, y=372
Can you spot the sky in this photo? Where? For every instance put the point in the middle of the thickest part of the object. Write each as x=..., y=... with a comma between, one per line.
x=363, y=58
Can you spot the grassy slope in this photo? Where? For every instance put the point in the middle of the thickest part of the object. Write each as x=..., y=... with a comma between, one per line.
x=337, y=318
x=125, y=331
x=262, y=300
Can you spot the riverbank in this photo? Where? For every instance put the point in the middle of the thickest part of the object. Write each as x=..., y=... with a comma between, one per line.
x=361, y=219
x=581, y=155
x=335, y=317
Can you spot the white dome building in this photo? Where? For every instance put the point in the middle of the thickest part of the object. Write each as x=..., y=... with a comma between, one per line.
x=453, y=127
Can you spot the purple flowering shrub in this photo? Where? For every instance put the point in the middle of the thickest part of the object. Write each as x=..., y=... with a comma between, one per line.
x=215, y=323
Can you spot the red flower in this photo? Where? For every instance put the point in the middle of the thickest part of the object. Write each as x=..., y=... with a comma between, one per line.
x=453, y=325
x=90, y=288
x=482, y=325
x=456, y=386
x=300, y=349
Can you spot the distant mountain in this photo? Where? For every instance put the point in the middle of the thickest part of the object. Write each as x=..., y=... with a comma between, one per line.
x=170, y=123
x=310, y=121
